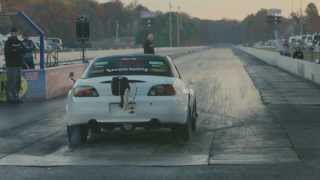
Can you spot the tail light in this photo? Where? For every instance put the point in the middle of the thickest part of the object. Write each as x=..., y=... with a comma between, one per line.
x=85, y=91
x=162, y=90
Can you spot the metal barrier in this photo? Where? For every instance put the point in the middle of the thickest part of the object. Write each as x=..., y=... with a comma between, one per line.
x=52, y=58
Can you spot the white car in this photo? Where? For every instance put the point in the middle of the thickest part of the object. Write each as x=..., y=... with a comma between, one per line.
x=56, y=43
x=127, y=92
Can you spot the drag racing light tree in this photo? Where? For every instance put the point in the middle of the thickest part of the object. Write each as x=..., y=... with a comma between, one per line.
x=83, y=33
x=148, y=19
x=274, y=18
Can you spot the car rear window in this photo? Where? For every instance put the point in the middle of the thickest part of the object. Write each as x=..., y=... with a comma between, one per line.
x=111, y=66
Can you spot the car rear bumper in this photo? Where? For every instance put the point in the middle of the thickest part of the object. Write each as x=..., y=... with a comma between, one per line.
x=165, y=110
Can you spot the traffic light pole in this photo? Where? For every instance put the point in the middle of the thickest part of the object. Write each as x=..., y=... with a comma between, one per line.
x=178, y=26
x=274, y=19
x=277, y=38
x=170, y=25
x=301, y=18
x=83, y=34
x=117, y=30
x=83, y=51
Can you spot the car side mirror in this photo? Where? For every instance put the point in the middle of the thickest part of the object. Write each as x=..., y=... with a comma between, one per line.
x=71, y=77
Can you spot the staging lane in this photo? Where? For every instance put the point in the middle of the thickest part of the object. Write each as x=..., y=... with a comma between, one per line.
x=234, y=128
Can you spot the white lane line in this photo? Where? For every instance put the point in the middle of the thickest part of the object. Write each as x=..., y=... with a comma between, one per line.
x=49, y=161
x=262, y=156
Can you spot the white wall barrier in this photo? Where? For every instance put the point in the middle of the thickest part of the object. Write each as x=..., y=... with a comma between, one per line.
x=304, y=69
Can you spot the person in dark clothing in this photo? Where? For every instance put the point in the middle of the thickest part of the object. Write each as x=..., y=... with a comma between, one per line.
x=14, y=52
x=28, y=58
x=298, y=54
x=148, y=45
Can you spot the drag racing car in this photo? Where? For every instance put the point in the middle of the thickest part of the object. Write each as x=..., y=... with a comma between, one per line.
x=129, y=92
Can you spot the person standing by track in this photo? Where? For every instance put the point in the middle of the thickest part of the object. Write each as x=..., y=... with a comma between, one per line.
x=14, y=52
x=148, y=45
x=30, y=48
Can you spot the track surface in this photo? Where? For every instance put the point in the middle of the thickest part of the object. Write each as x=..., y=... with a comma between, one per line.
x=255, y=122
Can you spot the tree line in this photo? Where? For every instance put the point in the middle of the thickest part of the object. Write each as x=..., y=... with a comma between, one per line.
x=57, y=18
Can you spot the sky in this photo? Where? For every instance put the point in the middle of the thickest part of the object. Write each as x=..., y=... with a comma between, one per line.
x=219, y=9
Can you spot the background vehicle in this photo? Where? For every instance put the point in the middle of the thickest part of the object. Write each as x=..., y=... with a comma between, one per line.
x=128, y=92
x=295, y=41
x=308, y=41
x=51, y=44
x=56, y=43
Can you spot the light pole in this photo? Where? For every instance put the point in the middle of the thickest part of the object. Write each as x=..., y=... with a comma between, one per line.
x=2, y=6
x=170, y=24
x=301, y=18
x=117, y=31
x=178, y=26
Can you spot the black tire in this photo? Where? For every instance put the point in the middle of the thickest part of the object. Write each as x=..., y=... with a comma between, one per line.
x=184, y=131
x=77, y=135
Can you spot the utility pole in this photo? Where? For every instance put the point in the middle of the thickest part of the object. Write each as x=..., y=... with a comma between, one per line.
x=178, y=26
x=117, y=30
x=2, y=6
x=170, y=24
x=301, y=18
x=300, y=7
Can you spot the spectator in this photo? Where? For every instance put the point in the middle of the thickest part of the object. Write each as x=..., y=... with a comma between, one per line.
x=285, y=48
x=298, y=54
x=30, y=48
x=149, y=45
x=14, y=52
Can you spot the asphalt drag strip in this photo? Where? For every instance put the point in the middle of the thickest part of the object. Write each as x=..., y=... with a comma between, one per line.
x=231, y=107
x=234, y=127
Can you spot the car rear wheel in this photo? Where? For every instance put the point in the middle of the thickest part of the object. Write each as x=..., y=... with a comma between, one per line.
x=184, y=131
x=77, y=135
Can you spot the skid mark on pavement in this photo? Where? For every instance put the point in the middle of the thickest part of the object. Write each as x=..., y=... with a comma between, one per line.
x=20, y=138
x=230, y=106
x=133, y=149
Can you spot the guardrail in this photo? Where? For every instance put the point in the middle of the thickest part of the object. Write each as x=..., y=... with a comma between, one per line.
x=307, y=70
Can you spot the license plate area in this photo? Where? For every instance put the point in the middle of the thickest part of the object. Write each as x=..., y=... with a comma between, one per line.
x=117, y=111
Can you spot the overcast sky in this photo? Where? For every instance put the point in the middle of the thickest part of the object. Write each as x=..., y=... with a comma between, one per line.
x=218, y=9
